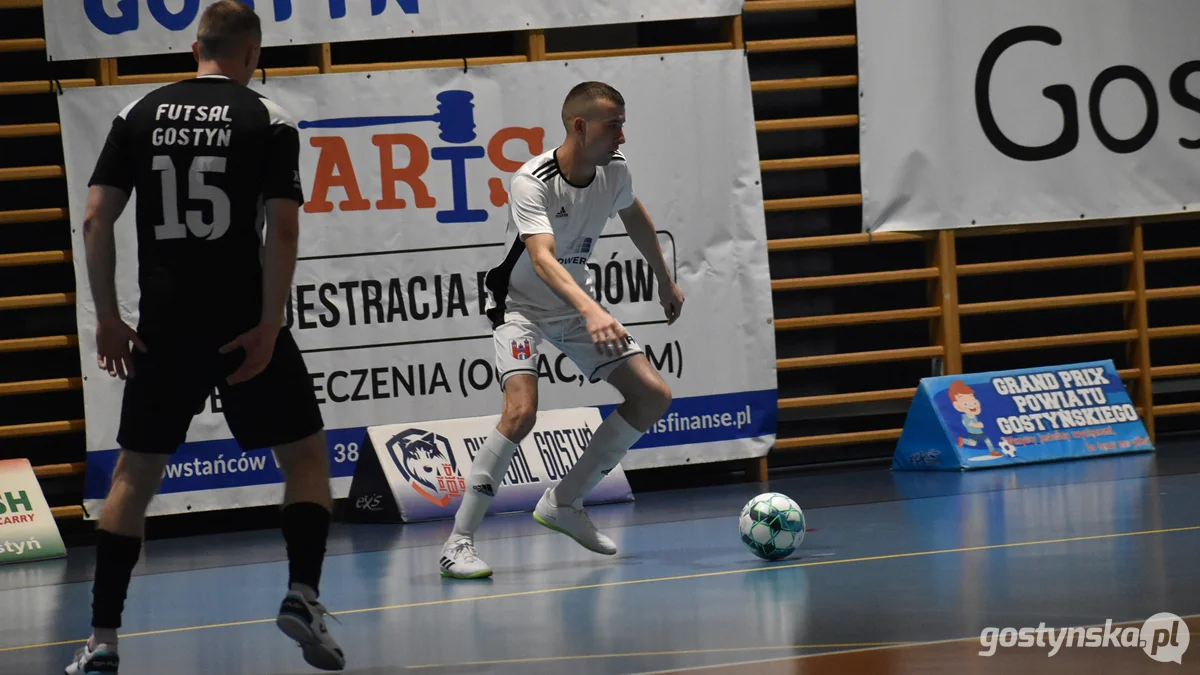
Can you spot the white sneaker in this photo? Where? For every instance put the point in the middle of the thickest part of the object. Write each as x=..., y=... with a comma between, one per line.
x=304, y=622
x=102, y=661
x=460, y=560
x=572, y=521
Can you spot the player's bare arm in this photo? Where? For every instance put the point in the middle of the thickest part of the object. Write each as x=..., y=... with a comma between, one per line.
x=641, y=232
x=113, y=335
x=282, y=241
x=607, y=332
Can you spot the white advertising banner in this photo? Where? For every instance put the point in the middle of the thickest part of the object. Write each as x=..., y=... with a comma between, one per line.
x=80, y=29
x=406, y=211
x=975, y=112
x=28, y=531
x=417, y=471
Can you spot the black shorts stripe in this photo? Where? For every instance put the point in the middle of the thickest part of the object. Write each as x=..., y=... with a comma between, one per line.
x=516, y=371
x=592, y=377
x=496, y=282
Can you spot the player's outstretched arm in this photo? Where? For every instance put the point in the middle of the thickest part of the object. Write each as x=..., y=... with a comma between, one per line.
x=104, y=205
x=641, y=232
x=279, y=263
x=607, y=332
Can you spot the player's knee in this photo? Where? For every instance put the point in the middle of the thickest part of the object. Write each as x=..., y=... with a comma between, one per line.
x=657, y=397
x=308, y=457
x=139, y=474
x=519, y=420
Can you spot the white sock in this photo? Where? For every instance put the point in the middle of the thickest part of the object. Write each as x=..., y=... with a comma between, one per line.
x=103, y=636
x=483, y=483
x=305, y=591
x=604, y=452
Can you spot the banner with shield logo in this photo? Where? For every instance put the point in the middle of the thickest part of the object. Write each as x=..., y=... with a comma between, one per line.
x=416, y=471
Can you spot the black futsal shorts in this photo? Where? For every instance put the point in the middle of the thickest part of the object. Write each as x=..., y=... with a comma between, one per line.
x=174, y=378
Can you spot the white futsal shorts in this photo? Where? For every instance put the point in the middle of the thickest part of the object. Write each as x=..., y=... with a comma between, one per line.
x=518, y=339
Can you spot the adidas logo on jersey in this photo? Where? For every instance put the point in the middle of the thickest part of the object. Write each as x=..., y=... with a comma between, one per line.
x=562, y=212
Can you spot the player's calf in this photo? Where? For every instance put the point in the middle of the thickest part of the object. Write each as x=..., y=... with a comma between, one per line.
x=458, y=558
x=305, y=524
x=306, y=511
x=135, y=481
x=561, y=507
x=647, y=398
x=305, y=467
x=519, y=414
x=491, y=463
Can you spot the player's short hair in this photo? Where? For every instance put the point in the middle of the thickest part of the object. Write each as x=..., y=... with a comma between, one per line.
x=583, y=95
x=225, y=27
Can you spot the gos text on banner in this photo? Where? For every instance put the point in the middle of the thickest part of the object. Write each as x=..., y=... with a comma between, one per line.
x=975, y=113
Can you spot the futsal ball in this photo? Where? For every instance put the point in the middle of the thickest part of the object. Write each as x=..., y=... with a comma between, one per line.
x=772, y=526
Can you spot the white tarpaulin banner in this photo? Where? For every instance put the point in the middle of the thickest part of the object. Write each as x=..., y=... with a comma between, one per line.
x=417, y=470
x=975, y=112
x=406, y=211
x=78, y=29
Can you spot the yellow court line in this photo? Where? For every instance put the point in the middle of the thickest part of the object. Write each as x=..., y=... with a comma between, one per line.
x=164, y=631
x=679, y=652
x=766, y=568
x=631, y=582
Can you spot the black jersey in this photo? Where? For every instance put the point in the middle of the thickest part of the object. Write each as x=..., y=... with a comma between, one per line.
x=202, y=156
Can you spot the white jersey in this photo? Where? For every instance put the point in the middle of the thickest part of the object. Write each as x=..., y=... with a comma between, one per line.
x=543, y=202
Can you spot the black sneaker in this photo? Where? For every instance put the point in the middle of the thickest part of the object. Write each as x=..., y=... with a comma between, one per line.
x=304, y=622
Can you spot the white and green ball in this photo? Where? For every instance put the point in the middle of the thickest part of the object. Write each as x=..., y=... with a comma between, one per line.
x=772, y=526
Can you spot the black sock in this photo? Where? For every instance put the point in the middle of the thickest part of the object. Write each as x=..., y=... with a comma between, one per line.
x=115, y=557
x=305, y=529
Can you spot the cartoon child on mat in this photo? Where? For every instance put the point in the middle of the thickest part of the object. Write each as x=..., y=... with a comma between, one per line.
x=963, y=399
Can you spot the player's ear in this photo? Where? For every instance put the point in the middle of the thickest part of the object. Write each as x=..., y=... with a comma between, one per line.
x=251, y=56
x=196, y=50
